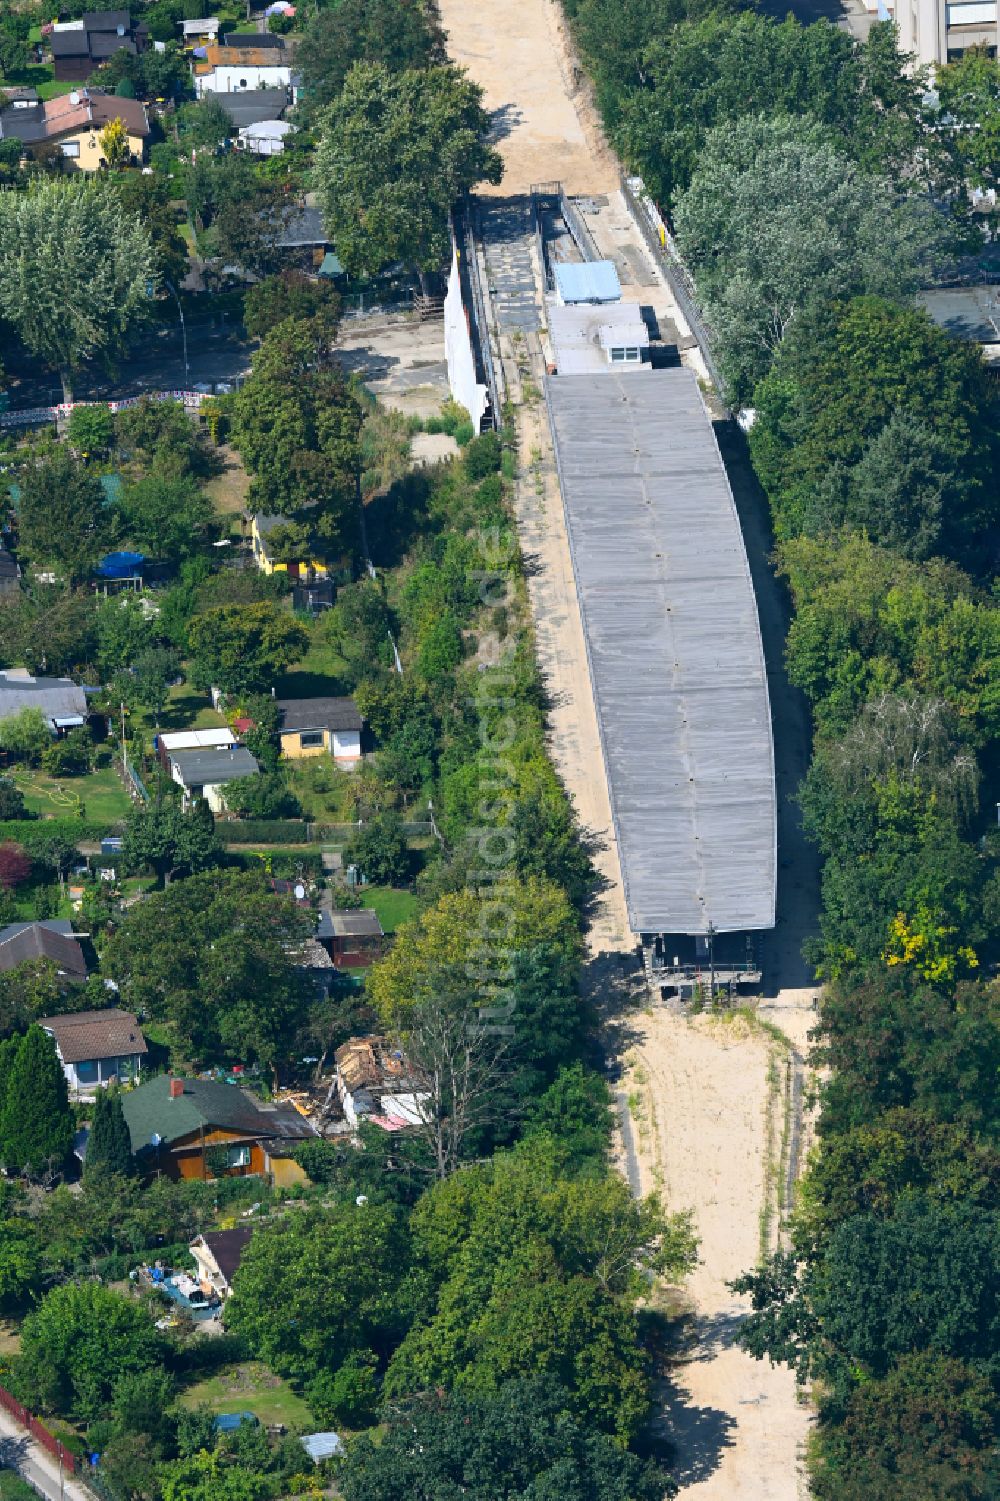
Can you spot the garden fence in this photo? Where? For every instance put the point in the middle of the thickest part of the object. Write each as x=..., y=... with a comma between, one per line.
x=37, y=1429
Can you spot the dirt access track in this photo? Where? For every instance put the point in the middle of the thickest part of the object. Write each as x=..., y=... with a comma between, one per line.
x=516, y=50
x=702, y=1093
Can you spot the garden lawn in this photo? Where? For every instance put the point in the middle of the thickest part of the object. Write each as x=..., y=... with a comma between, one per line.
x=186, y=709
x=393, y=907
x=326, y=806
x=13, y=1488
x=320, y=673
x=41, y=77
x=100, y=794
x=251, y=1387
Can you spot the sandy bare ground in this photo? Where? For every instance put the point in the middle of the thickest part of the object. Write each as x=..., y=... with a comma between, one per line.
x=516, y=50
x=708, y=1107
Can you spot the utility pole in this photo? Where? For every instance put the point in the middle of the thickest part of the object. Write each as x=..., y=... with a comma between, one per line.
x=187, y=370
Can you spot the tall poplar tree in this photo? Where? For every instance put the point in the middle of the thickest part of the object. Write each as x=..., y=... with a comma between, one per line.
x=76, y=270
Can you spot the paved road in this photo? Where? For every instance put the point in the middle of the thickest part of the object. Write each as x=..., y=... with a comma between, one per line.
x=21, y=1453
x=217, y=355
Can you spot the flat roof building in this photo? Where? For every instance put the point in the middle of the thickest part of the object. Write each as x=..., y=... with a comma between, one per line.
x=674, y=648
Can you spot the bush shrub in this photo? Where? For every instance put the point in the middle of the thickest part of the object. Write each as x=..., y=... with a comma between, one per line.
x=482, y=456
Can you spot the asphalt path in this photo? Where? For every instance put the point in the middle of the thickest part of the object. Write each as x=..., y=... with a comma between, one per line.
x=214, y=354
x=23, y=1454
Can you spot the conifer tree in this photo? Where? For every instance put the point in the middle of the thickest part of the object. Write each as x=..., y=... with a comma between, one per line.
x=109, y=1148
x=36, y=1122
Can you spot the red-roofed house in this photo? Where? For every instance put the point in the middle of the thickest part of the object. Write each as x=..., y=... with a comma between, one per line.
x=74, y=123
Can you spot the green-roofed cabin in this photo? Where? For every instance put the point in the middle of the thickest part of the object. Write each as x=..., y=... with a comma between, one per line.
x=200, y=1128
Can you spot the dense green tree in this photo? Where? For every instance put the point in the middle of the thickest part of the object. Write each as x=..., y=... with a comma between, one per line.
x=296, y=424
x=25, y=736
x=868, y=622
x=204, y=122
x=62, y=519
x=518, y=917
x=892, y=1040
x=901, y=754
x=396, y=151
x=151, y=74
x=380, y=851
x=927, y=1279
x=22, y=1268
x=14, y=54
x=575, y=1111
x=124, y=630
x=264, y=796
x=64, y=1369
x=141, y=1404
x=321, y=1286
x=75, y=268
x=513, y=1444
x=168, y=519
x=831, y=230
x=483, y=990
x=969, y=91
x=32, y=989
x=548, y=842
x=91, y=429
x=841, y=376
x=214, y=956
x=12, y=805
x=109, y=1146
x=170, y=840
x=36, y=1122
x=210, y=1477
x=725, y=66
x=870, y=1168
x=900, y=489
x=396, y=33
x=159, y=436
x=242, y=649
x=50, y=632
x=535, y=1274
x=927, y=1432
x=150, y=198
x=359, y=625
x=292, y=294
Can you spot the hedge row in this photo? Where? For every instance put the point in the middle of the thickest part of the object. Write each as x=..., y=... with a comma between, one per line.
x=38, y=834
x=263, y=831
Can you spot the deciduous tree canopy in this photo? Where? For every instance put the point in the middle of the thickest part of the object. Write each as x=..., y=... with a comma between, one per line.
x=397, y=150
x=76, y=271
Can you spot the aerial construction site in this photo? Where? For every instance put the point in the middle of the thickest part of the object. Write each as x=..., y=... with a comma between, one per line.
x=658, y=627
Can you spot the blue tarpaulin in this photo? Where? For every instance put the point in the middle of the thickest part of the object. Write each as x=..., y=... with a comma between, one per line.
x=120, y=565
x=228, y=1422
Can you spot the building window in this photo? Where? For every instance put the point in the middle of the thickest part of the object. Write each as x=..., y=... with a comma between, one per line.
x=238, y=1156
x=86, y=1071
x=70, y=148
x=310, y=738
